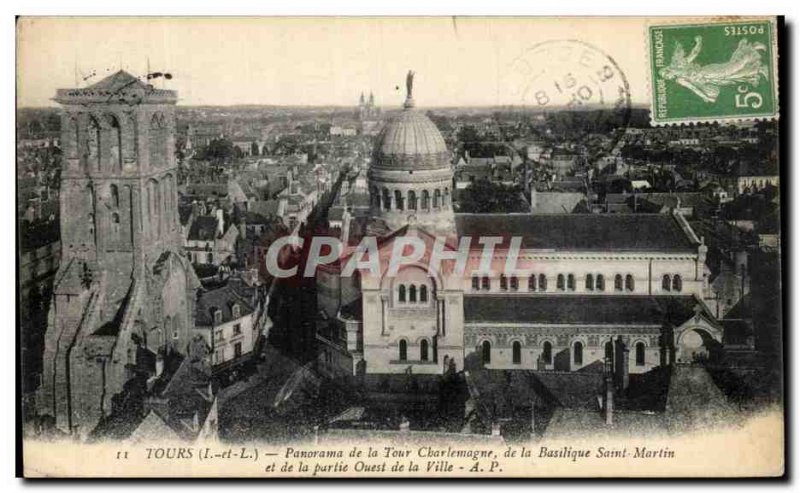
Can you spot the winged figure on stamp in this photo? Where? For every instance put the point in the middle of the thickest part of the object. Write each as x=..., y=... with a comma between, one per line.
x=744, y=66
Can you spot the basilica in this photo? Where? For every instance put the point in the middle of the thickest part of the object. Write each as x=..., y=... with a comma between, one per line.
x=588, y=290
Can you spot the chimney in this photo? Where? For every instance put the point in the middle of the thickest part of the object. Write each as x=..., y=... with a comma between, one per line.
x=608, y=400
x=195, y=422
x=495, y=429
x=405, y=426
x=533, y=197
x=533, y=418
x=220, y=222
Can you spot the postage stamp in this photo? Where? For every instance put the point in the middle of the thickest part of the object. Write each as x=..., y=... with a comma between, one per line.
x=716, y=71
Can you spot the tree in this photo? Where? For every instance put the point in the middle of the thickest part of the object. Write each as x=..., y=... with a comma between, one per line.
x=484, y=196
x=219, y=151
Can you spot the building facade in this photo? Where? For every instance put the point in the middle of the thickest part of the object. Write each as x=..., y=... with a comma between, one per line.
x=584, y=290
x=124, y=293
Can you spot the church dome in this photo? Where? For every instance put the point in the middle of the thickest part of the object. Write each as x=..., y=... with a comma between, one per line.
x=410, y=140
x=411, y=178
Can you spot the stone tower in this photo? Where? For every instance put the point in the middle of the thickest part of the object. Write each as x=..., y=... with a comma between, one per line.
x=123, y=297
x=411, y=176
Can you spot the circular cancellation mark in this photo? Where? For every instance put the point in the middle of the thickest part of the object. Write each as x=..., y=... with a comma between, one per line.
x=580, y=80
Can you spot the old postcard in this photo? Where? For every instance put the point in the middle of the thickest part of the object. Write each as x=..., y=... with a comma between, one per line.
x=435, y=247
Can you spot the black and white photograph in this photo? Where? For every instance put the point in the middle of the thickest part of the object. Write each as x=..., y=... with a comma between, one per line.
x=400, y=247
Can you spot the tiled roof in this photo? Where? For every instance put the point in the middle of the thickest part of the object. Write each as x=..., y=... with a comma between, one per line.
x=578, y=309
x=573, y=390
x=204, y=228
x=222, y=299
x=582, y=232
x=557, y=202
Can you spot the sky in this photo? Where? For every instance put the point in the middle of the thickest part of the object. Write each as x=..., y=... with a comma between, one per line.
x=458, y=61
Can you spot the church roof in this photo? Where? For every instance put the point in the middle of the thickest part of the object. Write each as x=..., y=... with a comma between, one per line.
x=118, y=81
x=582, y=232
x=410, y=133
x=117, y=87
x=578, y=309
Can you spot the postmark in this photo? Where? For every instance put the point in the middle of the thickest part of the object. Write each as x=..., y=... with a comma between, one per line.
x=577, y=79
x=714, y=71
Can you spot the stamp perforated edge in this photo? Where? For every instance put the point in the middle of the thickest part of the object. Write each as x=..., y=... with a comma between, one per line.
x=705, y=21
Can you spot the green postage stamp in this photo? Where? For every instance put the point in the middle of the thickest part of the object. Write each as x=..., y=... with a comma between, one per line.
x=717, y=71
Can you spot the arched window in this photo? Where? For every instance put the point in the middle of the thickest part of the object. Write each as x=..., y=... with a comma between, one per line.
x=503, y=282
x=446, y=198
x=403, y=347
x=677, y=283
x=639, y=354
x=485, y=283
x=235, y=311
x=570, y=282
x=542, y=282
x=600, y=283
x=93, y=145
x=115, y=222
x=426, y=200
x=115, y=143
x=665, y=282
x=589, y=282
x=158, y=142
x=387, y=200
x=629, y=282
x=398, y=200
x=618, y=282
x=547, y=352
x=514, y=283
x=486, y=352
x=423, y=350
x=157, y=206
x=560, y=284
x=476, y=283
x=114, y=196
x=412, y=200
x=401, y=293
x=423, y=294
x=516, y=353
x=577, y=351
x=532, y=282
x=437, y=198
x=412, y=294
x=609, y=351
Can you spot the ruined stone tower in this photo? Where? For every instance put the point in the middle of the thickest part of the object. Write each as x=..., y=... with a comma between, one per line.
x=124, y=294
